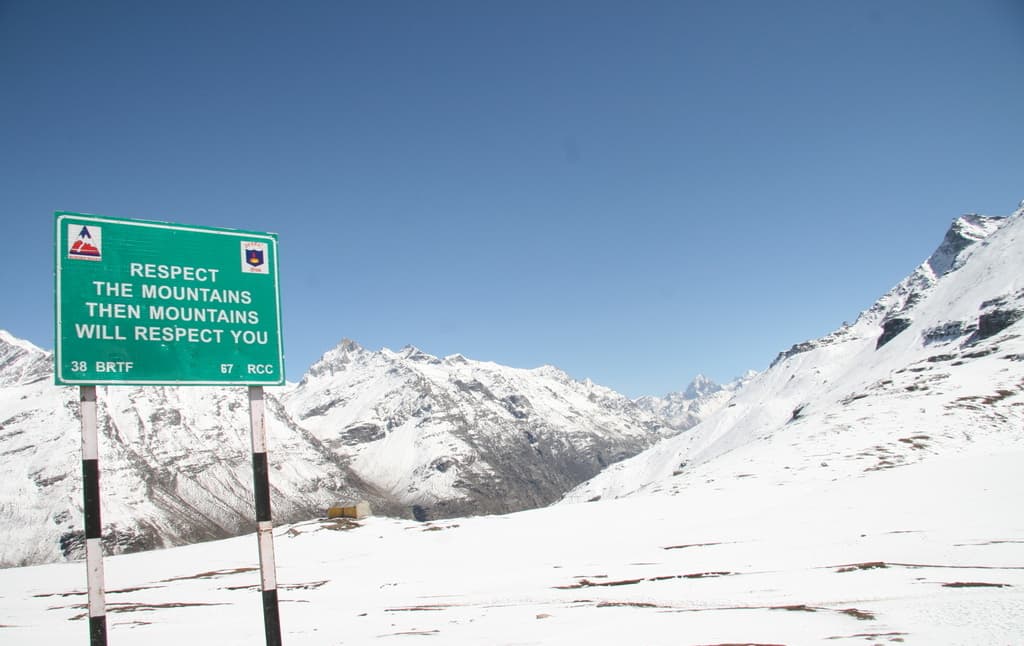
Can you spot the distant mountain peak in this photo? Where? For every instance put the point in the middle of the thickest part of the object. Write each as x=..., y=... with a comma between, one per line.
x=349, y=345
x=554, y=372
x=702, y=397
x=412, y=353
x=701, y=386
x=336, y=359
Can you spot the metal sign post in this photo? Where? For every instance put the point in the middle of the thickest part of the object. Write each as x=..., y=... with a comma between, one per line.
x=93, y=526
x=153, y=303
x=264, y=525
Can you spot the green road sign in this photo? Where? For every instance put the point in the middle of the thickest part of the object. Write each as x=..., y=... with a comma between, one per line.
x=142, y=302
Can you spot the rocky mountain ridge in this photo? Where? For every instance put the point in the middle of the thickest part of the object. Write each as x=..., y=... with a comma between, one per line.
x=412, y=434
x=451, y=436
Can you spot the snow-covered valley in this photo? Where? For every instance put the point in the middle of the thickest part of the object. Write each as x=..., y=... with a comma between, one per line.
x=930, y=553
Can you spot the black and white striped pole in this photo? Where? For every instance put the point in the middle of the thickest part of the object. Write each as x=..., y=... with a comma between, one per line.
x=264, y=525
x=93, y=525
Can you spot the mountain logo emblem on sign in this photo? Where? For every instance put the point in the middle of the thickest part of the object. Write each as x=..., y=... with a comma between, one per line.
x=85, y=243
x=254, y=258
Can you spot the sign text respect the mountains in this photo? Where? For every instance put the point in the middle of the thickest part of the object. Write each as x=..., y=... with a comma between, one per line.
x=140, y=302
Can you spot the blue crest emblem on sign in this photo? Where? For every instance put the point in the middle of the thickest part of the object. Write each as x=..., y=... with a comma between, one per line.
x=254, y=257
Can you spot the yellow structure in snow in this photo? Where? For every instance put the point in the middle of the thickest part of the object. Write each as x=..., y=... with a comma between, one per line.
x=357, y=511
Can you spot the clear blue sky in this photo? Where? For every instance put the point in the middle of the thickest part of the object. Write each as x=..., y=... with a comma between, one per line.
x=632, y=191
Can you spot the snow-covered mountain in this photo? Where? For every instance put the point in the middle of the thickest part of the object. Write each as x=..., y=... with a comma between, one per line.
x=175, y=463
x=454, y=436
x=22, y=362
x=702, y=397
x=934, y=367
x=412, y=434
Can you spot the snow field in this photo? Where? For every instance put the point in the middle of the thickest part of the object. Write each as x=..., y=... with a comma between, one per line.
x=917, y=554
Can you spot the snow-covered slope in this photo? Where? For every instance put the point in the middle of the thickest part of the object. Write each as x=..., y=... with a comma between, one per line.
x=934, y=367
x=454, y=436
x=684, y=410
